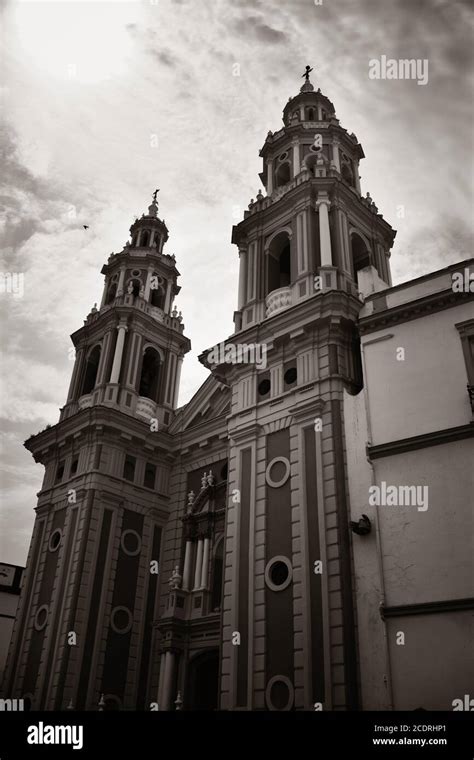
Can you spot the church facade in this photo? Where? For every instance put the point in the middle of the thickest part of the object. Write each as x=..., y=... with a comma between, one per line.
x=226, y=554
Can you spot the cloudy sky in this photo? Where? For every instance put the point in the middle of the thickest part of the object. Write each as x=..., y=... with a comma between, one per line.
x=105, y=101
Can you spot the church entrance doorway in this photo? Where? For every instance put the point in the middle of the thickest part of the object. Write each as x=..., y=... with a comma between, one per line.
x=203, y=681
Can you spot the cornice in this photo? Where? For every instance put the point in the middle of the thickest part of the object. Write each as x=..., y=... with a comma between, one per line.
x=94, y=420
x=434, y=438
x=306, y=409
x=248, y=431
x=445, y=299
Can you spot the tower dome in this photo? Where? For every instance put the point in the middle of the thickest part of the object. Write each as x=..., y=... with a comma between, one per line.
x=309, y=105
x=149, y=231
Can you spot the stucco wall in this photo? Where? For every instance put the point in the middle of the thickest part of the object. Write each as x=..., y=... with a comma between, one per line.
x=429, y=556
x=427, y=390
x=435, y=665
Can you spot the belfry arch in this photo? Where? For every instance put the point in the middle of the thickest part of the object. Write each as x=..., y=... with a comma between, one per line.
x=150, y=374
x=360, y=253
x=90, y=374
x=278, y=261
x=282, y=174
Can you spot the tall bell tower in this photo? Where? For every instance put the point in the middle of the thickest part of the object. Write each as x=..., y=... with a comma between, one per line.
x=308, y=249
x=85, y=623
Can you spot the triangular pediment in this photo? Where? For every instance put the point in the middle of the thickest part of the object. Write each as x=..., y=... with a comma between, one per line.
x=212, y=400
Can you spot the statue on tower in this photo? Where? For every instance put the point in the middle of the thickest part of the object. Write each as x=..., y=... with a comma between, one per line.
x=153, y=208
x=307, y=73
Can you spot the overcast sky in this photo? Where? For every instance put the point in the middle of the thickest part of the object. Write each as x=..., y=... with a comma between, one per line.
x=86, y=87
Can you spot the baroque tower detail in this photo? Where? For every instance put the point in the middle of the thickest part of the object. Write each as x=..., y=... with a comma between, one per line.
x=85, y=625
x=306, y=250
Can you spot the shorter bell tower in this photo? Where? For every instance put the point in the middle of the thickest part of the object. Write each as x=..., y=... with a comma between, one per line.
x=84, y=633
x=129, y=352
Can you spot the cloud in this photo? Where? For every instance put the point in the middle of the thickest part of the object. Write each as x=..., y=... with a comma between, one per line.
x=166, y=57
x=254, y=26
x=167, y=70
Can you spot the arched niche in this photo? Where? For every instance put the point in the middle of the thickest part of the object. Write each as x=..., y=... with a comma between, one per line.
x=278, y=259
x=111, y=292
x=347, y=171
x=148, y=385
x=360, y=253
x=91, y=369
x=158, y=291
x=282, y=174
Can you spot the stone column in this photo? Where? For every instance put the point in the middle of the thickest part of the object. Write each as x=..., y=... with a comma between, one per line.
x=296, y=156
x=114, y=375
x=104, y=357
x=104, y=294
x=205, y=563
x=74, y=386
x=168, y=680
x=269, y=176
x=198, y=569
x=187, y=565
x=335, y=155
x=121, y=281
x=167, y=307
x=356, y=176
x=160, y=682
x=177, y=381
x=324, y=233
x=242, y=277
x=146, y=295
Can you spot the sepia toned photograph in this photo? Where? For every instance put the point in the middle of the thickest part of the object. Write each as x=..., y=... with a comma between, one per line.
x=237, y=369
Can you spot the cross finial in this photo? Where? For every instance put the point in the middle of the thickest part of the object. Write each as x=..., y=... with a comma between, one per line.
x=155, y=194
x=307, y=73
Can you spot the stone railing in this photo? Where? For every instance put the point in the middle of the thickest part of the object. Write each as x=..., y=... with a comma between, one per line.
x=84, y=402
x=145, y=407
x=278, y=300
x=278, y=193
x=128, y=299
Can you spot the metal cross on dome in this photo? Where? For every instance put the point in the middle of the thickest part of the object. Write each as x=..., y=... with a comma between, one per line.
x=307, y=73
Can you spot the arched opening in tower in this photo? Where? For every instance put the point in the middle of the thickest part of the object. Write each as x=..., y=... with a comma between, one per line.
x=157, y=297
x=150, y=374
x=282, y=175
x=90, y=375
x=144, y=238
x=279, y=263
x=359, y=253
x=136, y=287
x=111, y=292
x=347, y=174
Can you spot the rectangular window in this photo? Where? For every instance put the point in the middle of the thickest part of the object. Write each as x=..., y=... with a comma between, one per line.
x=150, y=475
x=129, y=468
x=74, y=464
x=60, y=472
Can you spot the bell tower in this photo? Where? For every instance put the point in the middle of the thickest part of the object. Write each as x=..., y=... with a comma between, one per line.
x=309, y=248
x=84, y=633
x=325, y=228
x=129, y=352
